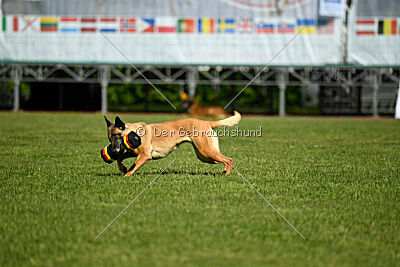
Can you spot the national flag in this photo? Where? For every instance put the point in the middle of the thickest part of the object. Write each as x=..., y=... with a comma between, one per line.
x=108, y=24
x=146, y=25
x=127, y=25
x=245, y=25
x=306, y=26
x=69, y=24
x=7, y=23
x=4, y=24
x=186, y=25
x=166, y=24
x=88, y=24
x=325, y=26
x=26, y=23
x=49, y=24
x=365, y=27
x=206, y=25
x=387, y=26
x=226, y=25
x=285, y=27
x=263, y=27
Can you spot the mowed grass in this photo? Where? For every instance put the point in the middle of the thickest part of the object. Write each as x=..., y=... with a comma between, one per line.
x=336, y=180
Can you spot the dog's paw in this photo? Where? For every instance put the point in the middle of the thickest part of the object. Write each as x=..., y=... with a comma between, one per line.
x=128, y=174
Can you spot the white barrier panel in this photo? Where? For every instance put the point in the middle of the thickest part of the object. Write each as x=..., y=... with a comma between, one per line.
x=239, y=39
x=374, y=38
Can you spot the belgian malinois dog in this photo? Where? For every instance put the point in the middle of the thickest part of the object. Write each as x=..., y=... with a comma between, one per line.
x=160, y=139
x=193, y=107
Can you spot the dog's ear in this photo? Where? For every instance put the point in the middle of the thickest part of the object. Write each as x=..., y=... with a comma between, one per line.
x=119, y=124
x=108, y=122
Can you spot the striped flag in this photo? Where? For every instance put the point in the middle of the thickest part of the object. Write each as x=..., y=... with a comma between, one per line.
x=365, y=27
x=166, y=25
x=108, y=24
x=387, y=26
x=127, y=25
x=206, y=25
x=69, y=24
x=186, y=25
x=88, y=24
x=306, y=26
x=285, y=27
x=7, y=23
x=49, y=24
x=264, y=27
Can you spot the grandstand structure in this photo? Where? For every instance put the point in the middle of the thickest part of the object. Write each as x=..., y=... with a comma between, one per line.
x=356, y=64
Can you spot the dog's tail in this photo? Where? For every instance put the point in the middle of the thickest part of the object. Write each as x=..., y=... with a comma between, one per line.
x=231, y=121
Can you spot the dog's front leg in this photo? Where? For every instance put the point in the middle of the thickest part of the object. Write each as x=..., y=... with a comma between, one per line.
x=121, y=167
x=142, y=159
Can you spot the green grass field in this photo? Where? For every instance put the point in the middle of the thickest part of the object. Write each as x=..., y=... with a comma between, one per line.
x=336, y=180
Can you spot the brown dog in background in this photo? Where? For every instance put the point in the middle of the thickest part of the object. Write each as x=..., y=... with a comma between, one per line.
x=196, y=110
x=160, y=139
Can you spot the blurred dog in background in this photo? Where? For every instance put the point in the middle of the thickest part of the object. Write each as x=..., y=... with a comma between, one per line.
x=194, y=108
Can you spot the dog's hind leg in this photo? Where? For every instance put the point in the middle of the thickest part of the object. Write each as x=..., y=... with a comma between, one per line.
x=228, y=162
x=217, y=157
x=207, y=150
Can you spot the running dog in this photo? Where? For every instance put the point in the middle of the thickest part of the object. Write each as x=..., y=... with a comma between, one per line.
x=160, y=139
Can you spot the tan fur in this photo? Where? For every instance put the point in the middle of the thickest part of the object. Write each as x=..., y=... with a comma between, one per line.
x=196, y=110
x=155, y=145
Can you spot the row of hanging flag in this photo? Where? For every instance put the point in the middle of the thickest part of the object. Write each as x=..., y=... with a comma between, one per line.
x=73, y=24
x=376, y=26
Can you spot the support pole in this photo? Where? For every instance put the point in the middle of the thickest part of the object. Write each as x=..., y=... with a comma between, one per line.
x=282, y=82
x=16, y=76
x=192, y=81
x=104, y=76
x=375, y=87
x=397, y=109
x=344, y=37
x=303, y=96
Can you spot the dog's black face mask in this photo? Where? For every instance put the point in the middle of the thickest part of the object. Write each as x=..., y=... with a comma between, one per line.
x=115, y=136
